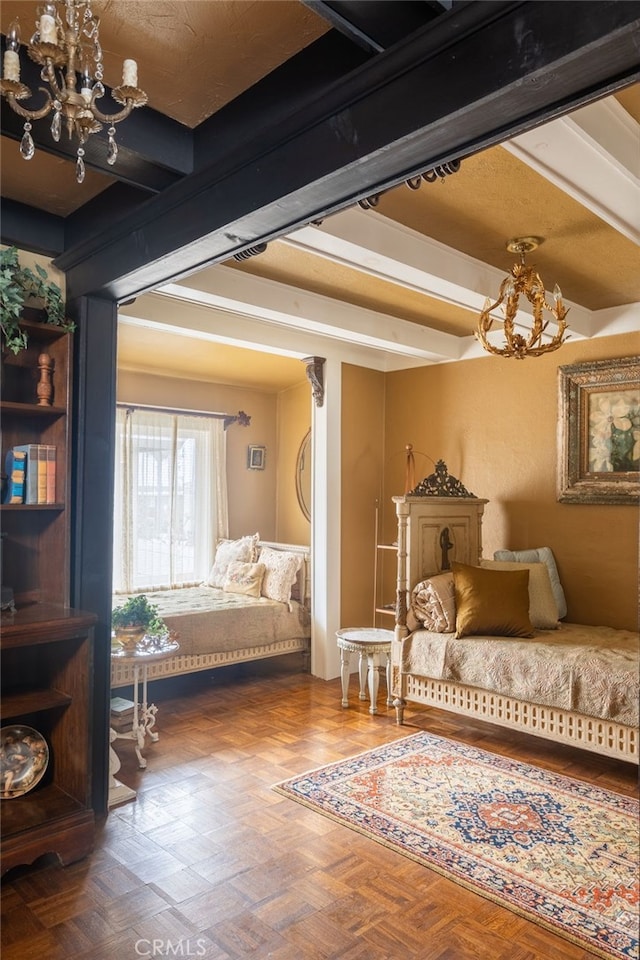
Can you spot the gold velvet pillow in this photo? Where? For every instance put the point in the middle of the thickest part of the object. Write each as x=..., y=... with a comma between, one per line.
x=491, y=602
x=543, y=609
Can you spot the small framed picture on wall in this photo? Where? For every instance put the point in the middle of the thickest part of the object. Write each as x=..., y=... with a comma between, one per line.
x=255, y=457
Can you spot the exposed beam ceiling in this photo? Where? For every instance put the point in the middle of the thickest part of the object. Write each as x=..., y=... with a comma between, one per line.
x=337, y=149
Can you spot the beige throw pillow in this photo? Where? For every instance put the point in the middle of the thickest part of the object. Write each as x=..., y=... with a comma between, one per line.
x=543, y=609
x=244, y=549
x=244, y=578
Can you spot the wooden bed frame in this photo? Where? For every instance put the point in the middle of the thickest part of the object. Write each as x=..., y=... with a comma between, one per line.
x=416, y=528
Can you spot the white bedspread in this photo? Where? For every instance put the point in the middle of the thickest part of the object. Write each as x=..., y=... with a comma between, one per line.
x=207, y=620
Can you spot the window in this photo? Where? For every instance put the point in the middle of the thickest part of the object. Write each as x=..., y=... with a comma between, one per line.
x=170, y=498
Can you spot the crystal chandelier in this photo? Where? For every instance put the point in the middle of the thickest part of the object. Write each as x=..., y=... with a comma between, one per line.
x=67, y=44
x=523, y=280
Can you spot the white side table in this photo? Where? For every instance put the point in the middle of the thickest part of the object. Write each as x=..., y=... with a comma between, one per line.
x=144, y=713
x=367, y=642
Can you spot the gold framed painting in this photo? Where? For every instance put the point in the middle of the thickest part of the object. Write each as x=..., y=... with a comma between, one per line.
x=599, y=431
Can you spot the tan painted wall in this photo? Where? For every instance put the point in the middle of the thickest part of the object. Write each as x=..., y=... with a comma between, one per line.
x=294, y=420
x=363, y=395
x=252, y=493
x=494, y=422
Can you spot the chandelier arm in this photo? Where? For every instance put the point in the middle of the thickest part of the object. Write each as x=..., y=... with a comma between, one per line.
x=486, y=320
x=114, y=117
x=52, y=81
x=30, y=114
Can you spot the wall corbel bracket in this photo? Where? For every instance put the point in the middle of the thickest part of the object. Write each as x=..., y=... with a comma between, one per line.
x=315, y=376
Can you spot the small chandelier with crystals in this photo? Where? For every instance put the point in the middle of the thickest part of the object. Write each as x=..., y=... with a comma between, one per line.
x=67, y=44
x=523, y=280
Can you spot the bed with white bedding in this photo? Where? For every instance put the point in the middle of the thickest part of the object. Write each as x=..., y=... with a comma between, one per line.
x=216, y=626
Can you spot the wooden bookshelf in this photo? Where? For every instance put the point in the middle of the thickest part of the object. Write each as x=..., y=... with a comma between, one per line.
x=46, y=657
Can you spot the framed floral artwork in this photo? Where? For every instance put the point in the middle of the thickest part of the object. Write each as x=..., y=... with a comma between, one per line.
x=599, y=431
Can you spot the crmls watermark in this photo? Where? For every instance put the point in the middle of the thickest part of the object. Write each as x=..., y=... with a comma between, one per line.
x=170, y=948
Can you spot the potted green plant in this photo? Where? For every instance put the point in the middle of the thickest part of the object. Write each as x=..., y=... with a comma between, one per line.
x=19, y=286
x=135, y=619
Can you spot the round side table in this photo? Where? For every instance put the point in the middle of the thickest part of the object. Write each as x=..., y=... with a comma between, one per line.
x=144, y=714
x=367, y=642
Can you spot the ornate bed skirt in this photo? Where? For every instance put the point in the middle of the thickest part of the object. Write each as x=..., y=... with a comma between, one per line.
x=122, y=673
x=562, y=726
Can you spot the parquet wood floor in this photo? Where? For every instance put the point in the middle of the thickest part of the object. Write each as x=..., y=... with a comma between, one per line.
x=210, y=862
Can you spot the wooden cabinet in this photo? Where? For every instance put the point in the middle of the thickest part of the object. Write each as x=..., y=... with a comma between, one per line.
x=46, y=659
x=45, y=647
x=433, y=531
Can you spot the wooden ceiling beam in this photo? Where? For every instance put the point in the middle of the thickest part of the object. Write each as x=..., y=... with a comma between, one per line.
x=31, y=229
x=378, y=24
x=474, y=77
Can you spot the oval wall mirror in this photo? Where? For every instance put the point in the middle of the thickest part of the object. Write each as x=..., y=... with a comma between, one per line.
x=303, y=475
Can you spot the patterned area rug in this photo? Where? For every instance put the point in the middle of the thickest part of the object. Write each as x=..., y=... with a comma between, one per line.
x=558, y=851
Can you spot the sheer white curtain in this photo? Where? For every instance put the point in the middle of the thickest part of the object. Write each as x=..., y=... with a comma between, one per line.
x=170, y=498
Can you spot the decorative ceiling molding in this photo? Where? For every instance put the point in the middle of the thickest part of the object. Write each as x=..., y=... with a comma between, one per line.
x=315, y=376
x=593, y=156
x=278, y=303
x=163, y=312
x=383, y=248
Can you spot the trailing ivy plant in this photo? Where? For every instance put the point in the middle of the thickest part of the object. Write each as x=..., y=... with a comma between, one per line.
x=19, y=284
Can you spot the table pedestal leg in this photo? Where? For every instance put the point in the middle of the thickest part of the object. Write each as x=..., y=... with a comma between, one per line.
x=373, y=683
x=344, y=676
x=389, y=697
x=362, y=673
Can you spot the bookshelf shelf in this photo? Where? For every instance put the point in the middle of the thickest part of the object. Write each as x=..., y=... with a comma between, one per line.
x=31, y=506
x=21, y=703
x=31, y=409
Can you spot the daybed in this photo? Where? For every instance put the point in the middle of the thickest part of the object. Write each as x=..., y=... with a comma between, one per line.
x=575, y=684
x=217, y=625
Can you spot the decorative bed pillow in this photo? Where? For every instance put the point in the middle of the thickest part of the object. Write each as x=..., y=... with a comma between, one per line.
x=539, y=555
x=281, y=568
x=491, y=602
x=433, y=603
x=244, y=549
x=543, y=609
x=245, y=578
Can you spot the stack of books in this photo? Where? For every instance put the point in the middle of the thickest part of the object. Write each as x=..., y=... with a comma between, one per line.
x=15, y=465
x=31, y=473
x=121, y=714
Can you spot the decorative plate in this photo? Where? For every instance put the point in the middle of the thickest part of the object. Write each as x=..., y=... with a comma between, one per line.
x=24, y=756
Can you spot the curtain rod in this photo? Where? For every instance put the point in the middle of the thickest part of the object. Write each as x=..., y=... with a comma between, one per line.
x=240, y=417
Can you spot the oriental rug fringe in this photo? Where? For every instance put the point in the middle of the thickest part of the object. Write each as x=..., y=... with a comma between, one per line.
x=558, y=851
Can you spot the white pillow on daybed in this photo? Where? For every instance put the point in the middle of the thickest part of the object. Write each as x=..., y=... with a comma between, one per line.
x=245, y=550
x=539, y=555
x=281, y=571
